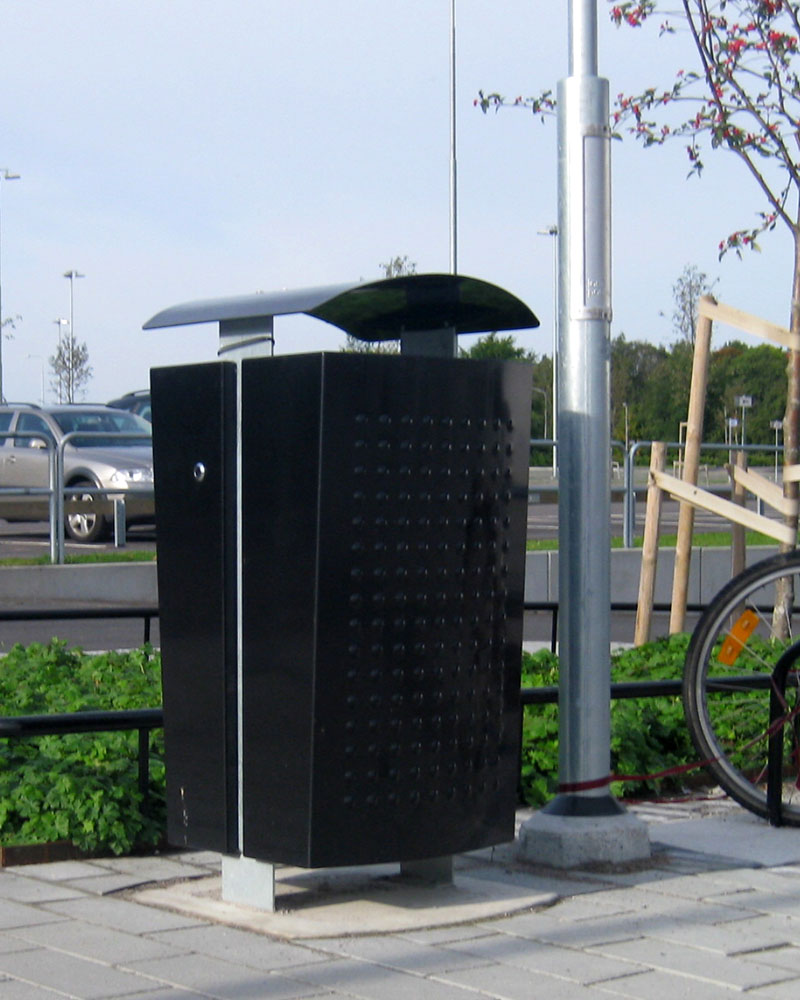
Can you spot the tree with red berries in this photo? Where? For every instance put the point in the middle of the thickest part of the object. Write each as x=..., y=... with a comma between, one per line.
x=742, y=95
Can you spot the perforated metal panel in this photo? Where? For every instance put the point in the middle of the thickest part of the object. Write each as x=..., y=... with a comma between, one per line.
x=384, y=506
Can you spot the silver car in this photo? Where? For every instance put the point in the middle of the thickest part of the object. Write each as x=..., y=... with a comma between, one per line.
x=116, y=465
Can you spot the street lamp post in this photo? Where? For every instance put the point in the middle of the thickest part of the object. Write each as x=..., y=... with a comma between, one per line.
x=543, y=394
x=453, y=150
x=627, y=426
x=72, y=275
x=777, y=426
x=745, y=402
x=584, y=822
x=5, y=175
x=60, y=323
x=731, y=423
x=552, y=231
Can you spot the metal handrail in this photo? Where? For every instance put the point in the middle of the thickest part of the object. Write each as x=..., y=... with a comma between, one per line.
x=60, y=488
x=56, y=490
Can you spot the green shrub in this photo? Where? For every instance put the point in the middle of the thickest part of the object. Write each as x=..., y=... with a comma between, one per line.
x=81, y=788
x=647, y=734
x=84, y=788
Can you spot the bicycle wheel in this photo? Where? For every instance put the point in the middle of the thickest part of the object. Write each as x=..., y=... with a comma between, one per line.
x=727, y=683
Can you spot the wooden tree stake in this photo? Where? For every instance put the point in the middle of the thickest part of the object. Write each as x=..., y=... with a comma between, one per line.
x=647, y=575
x=691, y=464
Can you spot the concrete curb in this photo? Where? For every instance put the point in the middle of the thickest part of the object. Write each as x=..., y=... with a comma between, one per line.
x=710, y=570
x=100, y=583
x=136, y=583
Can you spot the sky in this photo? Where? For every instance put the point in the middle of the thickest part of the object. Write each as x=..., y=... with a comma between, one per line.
x=176, y=150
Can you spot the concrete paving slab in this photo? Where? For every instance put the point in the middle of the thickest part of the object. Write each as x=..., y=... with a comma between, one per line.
x=59, y=871
x=161, y=993
x=394, y=952
x=573, y=964
x=734, y=972
x=512, y=983
x=217, y=978
x=354, y=978
x=121, y=914
x=85, y=979
x=314, y=904
x=235, y=945
x=32, y=890
x=155, y=867
x=668, y=986
x=13, y=989
x=9, y=943
x=785, y=957
x=102, y=944
x=739, y=937
x=736, y=835
x=14, y=914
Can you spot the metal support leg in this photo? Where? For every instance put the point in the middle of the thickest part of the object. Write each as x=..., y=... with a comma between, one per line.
x=436, y=871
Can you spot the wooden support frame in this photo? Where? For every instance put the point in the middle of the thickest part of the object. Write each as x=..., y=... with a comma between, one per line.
x=686, y=490
x=747, y=323
x=697, y=497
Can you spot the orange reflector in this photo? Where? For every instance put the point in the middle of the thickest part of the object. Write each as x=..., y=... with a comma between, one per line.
x=737, y=637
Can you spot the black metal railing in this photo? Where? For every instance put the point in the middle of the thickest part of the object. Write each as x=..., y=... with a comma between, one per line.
x=143, y=720
x=147, y=719
x=147, y=612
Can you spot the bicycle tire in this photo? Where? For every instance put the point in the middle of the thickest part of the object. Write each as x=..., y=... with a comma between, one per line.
x=736, y=637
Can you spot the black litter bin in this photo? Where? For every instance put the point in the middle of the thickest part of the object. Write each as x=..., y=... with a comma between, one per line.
x=341, y=571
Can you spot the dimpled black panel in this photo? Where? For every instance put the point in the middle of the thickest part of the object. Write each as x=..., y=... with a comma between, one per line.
x=384, y=532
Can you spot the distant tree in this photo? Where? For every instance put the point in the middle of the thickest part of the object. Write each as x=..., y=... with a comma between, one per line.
x=71, y=370
x=395, y=267
x=641, y=378
x=739, y=370
x=690, y=285
x=493, y=346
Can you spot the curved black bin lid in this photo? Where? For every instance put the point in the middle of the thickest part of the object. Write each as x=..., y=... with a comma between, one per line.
x=376, y=310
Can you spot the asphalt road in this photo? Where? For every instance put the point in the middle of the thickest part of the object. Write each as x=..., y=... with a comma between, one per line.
x=33, y=540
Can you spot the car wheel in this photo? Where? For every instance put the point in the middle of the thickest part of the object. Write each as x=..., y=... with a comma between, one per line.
x=85, y=526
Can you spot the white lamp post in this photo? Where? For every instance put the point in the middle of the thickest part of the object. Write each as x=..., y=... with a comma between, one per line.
x=543, y=394
x=745, y=402
x=72, y=275
x=5, y=175
x=777, y=426
x=552, y=231
x=60, y=323
x=453, y=158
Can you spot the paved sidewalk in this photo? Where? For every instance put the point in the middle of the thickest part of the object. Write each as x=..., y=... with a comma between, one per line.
x=714, y=913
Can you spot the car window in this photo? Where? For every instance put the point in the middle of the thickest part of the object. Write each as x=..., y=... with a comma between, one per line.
x=32, y=422
x=99, y=422
x=5, y=424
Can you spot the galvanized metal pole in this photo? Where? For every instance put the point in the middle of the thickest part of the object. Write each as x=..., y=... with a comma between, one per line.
x=453, y=156
x=584, y=822
x=583, y=422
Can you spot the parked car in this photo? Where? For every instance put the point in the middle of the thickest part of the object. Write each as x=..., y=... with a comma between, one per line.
x=137, y=402
x=108, y=463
